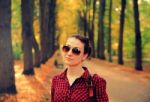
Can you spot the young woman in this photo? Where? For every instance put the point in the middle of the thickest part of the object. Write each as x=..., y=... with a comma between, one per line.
x=76, y=84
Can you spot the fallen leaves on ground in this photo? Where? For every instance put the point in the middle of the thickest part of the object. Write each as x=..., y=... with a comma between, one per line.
x=32, y=88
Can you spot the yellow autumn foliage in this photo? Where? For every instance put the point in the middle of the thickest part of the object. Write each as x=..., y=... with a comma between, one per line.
x=36, y=30
x=67, y=18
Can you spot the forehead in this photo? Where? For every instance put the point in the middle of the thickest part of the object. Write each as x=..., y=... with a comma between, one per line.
x=75, y=42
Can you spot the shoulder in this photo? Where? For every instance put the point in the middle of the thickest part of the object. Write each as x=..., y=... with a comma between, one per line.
x=97, y=79
x=56, y=77
x=59, y=76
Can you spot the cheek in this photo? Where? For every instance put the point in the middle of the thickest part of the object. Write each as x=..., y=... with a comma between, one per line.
x=79, y=58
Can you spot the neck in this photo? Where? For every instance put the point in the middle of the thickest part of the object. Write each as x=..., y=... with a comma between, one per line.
x=75, y=71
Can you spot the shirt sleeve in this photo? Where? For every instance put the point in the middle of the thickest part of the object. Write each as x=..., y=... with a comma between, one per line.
x=100, y=85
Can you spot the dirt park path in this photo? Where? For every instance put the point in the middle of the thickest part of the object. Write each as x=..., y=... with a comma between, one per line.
x=123, y=84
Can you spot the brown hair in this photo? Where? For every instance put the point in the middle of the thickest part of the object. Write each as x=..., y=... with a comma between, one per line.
x=85, y=41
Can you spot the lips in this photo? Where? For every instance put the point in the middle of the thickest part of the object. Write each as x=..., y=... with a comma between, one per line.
x=68, y=58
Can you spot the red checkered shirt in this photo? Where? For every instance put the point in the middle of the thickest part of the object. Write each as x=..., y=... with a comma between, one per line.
x=61, y=91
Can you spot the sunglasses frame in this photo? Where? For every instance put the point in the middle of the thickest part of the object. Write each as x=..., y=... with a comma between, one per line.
x=74, y=50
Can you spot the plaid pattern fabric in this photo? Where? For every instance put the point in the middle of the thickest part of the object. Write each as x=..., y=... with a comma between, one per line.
x=61, y=91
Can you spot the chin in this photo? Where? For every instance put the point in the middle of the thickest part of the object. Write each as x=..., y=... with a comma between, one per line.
x=69, y=64
x=72, y=64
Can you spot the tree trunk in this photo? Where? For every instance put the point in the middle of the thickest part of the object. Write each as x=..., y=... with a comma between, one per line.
x=51, y=26
x=138, y=50
x=109, y=33
x=37, y=54
x=85, y=21
x=27, y=32
x=91, y=32
x=44, y=19
x=7, y=77
x=101, y=48
x=120, y=47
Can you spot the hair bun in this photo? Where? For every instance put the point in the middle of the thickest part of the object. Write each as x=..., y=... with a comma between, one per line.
x=87, y=40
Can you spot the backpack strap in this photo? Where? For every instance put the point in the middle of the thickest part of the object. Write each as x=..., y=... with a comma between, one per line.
x=90, y=86
x=91, y=89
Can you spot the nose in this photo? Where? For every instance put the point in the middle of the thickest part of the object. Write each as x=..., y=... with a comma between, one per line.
x=70, y=52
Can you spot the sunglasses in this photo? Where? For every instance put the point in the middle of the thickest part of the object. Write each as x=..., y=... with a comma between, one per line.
x=67, y=48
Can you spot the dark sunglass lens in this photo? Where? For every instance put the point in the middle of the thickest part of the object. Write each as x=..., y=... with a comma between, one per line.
x=65, y=48
x=76, y=51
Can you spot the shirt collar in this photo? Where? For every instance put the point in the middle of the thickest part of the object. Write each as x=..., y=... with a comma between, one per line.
x=64, y=74
x=85, y=75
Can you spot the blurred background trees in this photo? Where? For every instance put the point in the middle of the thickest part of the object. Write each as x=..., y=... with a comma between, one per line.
x=118, y=31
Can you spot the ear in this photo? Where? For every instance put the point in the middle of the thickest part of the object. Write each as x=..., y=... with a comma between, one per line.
x=84, y=56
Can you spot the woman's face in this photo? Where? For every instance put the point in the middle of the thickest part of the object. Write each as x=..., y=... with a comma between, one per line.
x=75, y=52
